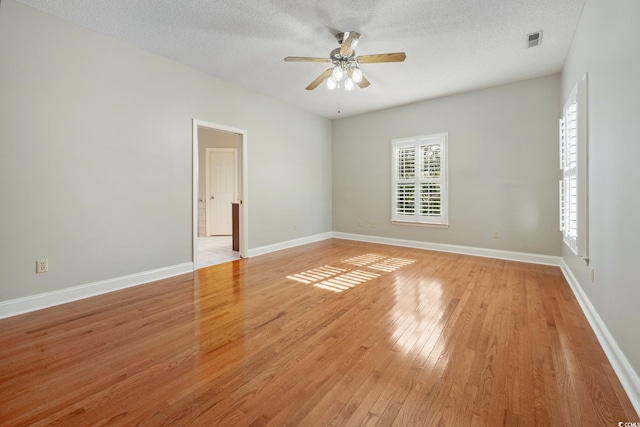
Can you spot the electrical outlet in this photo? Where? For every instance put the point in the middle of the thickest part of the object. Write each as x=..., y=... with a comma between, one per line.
x=359, y=223
x=42, y=265
x=592, y=274
x=496, y=234
x=373, y=224
x=295, y=227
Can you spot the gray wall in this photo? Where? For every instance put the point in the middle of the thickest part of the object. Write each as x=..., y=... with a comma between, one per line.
x=96, y=156
x=607, y=46
x=503, y=167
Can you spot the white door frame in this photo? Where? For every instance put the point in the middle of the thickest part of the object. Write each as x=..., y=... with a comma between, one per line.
x=244, y=199
x=207, y=184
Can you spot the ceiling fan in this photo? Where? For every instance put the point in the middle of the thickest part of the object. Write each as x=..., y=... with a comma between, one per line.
x=345, y=68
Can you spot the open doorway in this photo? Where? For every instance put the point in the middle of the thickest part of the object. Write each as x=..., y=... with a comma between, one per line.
x=220, y=196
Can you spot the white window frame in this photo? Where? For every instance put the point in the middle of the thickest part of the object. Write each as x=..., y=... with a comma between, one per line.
x=573, y=189
x=441, y=220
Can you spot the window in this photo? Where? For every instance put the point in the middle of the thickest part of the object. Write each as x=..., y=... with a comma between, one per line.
x=419, y=180
x=573, y=166
x=569, y=169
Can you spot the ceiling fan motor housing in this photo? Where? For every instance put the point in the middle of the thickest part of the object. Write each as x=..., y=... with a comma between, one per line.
x=335, y=55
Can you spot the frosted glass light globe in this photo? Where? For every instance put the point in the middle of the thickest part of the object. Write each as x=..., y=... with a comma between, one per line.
x=348, y=84
x=337, y=73
x=356, y=75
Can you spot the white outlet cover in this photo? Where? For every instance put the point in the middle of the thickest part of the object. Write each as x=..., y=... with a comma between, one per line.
x=42, y=266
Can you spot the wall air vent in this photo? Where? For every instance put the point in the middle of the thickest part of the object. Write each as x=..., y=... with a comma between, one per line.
x=534, y=39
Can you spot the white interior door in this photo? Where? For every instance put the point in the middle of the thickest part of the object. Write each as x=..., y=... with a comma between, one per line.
x=222, y=189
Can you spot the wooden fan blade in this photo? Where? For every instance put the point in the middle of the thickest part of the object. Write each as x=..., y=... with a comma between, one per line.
x=314, y=84
x=363, y=83
x=382, y=57
x=305, y=59
x=349, y=42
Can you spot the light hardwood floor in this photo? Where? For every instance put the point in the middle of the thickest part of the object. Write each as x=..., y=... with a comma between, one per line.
x=331, y=333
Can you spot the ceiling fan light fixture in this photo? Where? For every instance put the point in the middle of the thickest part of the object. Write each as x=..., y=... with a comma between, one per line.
x=356, y=76
x=337, y=73
x=344, y=70
x=348, y=84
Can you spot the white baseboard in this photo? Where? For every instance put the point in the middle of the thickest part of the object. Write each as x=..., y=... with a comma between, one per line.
x=626, y=374
x=464, y=250
x=288, y=244
x=49, y=299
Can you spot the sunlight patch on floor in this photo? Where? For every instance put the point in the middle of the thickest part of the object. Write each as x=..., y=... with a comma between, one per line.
x=342, y=279
x=391, y=264
x=365, y=259
x=316, y=274
x=347, y=281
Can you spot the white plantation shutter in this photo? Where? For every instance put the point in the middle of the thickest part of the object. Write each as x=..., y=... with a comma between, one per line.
x=430, y=173
x=406, y=194
x=405, y=184
x=406, y=162
x=573, y=166
x=419, y=180
x=563, y=153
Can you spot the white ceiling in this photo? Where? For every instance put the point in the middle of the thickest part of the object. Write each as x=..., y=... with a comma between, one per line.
x=451, y=46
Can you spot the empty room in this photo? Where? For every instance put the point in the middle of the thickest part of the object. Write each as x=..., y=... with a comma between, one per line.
x=319, y=213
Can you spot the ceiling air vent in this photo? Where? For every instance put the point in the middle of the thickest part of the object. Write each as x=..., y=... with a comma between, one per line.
x=534, y=39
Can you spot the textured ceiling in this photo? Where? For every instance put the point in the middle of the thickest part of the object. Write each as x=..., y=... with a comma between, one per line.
x=451, y=46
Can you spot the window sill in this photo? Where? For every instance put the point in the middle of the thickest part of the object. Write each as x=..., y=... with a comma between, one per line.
x=574, y=250
x=421, y=224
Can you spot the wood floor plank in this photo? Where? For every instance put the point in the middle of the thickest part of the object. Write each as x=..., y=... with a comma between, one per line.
x=330, y=333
